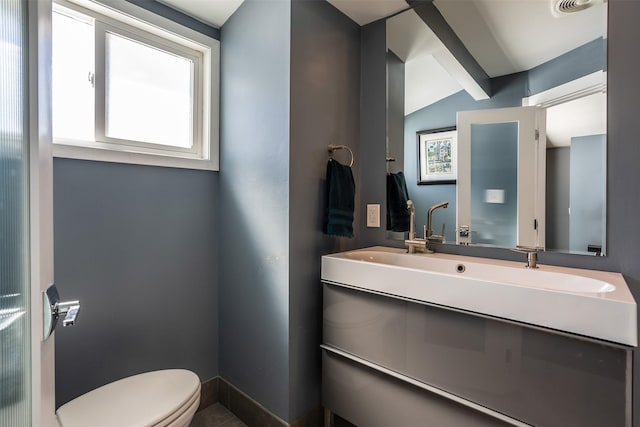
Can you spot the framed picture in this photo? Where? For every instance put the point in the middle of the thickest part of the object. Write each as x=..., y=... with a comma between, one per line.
x=437, y=160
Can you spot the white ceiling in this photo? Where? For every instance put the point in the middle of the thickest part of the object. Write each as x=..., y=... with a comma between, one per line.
x=366, y=11
x=418, y=47
x=505, y=36
x=580, y=117
x=212, y=12
x=216, y=12
x=508, y=36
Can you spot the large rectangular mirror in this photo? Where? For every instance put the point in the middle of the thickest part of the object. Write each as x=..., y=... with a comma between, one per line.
x=451, y=56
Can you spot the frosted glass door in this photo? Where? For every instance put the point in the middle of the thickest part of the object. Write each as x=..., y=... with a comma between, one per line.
x=494, y=184
x=501, y=177
x=15, y=352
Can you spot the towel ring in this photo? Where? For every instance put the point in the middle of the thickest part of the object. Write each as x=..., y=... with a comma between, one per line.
x=333, y=148
x=389, y=159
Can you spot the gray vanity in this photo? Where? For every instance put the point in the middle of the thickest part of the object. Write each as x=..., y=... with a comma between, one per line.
x=409, y=340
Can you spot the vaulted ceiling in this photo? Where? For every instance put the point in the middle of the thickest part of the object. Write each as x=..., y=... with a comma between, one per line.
x=504, y=36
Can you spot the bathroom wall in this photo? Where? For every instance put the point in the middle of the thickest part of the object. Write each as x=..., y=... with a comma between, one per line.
x=288, y=90
x=137, y=245
x=587, y=192
x=557, y=197
x=254, y=200
x=373, y=127
x=395, y=113
x=623, y=156
x=325, y=99
x=586, y=59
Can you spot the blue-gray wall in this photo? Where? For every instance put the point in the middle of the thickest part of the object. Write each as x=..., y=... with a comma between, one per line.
x=579, y=62
x=288, y=90
x=557, y=198
x=254, y=202
x=137, y=245
x=395, y=112
x=373, y=128
x=587, y=191
x=623, y=157
x=325, y=97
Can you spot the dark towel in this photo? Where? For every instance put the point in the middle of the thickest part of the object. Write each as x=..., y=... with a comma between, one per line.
x=397, y=196
x=341, y=191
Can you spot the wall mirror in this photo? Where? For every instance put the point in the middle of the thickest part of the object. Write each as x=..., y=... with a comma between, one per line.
x=448, y=58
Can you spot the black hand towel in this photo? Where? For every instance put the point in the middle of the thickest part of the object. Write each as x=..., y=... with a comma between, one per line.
x=397, y=196
x=341, y=190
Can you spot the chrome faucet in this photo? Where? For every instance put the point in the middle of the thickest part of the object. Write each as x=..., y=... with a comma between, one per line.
x=429, y=233
x=412, y=219
x=413, y=243
x=532, y=255
x=422, y=244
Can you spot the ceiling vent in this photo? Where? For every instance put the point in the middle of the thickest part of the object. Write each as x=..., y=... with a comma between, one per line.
x=564, y=7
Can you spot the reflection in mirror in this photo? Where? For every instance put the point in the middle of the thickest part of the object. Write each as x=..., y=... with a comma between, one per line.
x=531, y=55
x=501, y=194
x=494, y=175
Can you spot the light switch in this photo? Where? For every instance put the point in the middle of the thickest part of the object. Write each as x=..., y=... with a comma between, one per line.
x=373, y=215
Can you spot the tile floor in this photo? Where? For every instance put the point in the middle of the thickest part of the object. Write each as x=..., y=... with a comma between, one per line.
x=216, y=415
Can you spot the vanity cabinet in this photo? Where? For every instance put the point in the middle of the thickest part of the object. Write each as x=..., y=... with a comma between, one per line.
x=389, y=361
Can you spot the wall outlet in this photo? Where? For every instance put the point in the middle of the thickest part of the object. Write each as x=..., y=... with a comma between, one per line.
x=373, y=216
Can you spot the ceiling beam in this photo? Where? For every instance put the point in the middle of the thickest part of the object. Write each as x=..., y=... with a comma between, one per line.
x=428, y=12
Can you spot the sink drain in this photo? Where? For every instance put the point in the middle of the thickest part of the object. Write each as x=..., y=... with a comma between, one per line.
x=460, y=268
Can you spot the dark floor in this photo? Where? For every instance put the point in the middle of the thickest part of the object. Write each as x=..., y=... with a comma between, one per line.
x=216, y=415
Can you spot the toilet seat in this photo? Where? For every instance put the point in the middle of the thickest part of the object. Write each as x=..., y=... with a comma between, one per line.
x=166, y=398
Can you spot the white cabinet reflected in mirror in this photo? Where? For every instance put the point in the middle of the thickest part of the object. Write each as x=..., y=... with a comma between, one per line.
x=529, y=56
x=500, y=189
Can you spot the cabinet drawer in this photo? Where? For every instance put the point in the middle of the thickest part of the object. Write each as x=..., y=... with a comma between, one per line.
x=368, y=398
x=535, y=376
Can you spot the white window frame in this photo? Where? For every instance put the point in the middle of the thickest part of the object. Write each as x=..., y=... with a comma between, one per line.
x=135, y=23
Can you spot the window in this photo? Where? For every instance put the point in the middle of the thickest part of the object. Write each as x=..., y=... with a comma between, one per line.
x=130, y=86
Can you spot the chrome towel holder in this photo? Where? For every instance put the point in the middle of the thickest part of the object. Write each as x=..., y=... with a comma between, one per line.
x=388, y=160
x=332, y=148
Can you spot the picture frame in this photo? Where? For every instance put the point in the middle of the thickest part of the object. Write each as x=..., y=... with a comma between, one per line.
x=437, y=156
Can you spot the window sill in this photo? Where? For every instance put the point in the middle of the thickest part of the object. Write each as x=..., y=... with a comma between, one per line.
x=102, y=155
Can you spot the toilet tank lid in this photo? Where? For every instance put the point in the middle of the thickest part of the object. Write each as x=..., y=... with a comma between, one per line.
x=140, y=400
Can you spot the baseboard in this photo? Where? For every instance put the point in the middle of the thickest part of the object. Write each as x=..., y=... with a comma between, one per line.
x=313, y=418
x=248, y=410
x=209, y=393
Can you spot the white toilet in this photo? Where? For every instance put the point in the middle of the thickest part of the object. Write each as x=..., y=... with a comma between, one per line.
x=167, y=398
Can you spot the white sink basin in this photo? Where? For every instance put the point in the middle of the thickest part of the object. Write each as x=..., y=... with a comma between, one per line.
x=592, y=303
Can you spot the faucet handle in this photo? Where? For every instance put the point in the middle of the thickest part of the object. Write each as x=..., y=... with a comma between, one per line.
x=532, y=254
x=527, y=249
x=410, y=206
